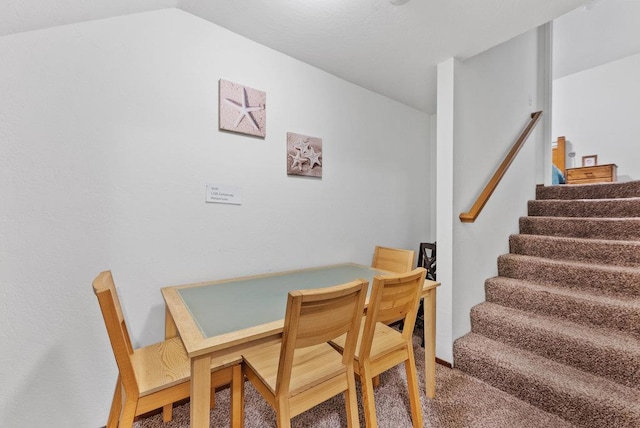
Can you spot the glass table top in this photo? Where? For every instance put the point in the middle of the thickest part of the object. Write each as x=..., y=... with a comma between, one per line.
x=231, y=306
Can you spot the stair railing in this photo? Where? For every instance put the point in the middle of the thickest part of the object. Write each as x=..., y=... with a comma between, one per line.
x=470, y=217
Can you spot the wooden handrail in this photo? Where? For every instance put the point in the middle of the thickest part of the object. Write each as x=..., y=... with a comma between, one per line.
x=470, y=217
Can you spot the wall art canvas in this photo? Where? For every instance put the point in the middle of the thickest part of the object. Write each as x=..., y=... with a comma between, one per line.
x=242, y=109
x=304, y=155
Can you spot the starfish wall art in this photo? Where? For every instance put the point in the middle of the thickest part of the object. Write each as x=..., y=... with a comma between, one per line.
x=242, y=109
x=304, y=155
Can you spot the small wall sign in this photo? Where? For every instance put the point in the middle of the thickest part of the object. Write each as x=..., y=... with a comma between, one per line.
x=224, y=194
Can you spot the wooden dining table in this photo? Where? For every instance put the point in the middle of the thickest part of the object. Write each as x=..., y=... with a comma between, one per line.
x=220, y=320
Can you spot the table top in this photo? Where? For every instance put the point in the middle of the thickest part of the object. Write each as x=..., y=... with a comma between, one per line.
x=219, y=314
x=230, y=306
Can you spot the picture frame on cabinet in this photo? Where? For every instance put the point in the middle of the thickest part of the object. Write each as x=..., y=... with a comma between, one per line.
x=591, y=160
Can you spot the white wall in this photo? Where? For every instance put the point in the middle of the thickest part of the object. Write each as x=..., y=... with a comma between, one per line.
x=595, y=34
x=596, y=110
x=444, y=207
x=108, y=131
x=494, y=94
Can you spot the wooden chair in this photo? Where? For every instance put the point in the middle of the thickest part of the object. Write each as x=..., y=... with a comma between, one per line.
x=153, y=376
x=304, y=370
x=427, y=260
x=381, y=347
x=393, y=259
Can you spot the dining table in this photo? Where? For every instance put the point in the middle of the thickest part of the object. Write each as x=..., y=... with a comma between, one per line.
x=220, y=320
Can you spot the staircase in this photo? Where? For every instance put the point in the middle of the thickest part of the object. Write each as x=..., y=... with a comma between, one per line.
x=560, y=327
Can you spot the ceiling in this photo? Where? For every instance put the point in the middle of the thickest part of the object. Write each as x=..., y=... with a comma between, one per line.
x=392, y=50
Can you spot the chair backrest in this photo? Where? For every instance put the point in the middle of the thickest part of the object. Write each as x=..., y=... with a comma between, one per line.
x=393, y=259
x=393, y=298
x=427, y=259
x=318, y=315
x=105, y=291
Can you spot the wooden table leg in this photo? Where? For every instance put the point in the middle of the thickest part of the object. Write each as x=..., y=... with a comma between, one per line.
x=237, y=397
x=200, y=390
x=430, y=343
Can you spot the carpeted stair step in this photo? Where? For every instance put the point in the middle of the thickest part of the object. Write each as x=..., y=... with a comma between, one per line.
x=621, y=313
x=626, y=229
x=629, y=189
x=604, y=352
x=601, y=279
x=619, y=253
x=560, y=327
x=582, y=398
x=621, y=207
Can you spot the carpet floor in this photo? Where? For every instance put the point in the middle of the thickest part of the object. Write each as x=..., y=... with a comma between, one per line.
x=461, y=401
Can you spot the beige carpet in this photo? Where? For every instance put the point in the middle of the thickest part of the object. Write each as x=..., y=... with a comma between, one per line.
x=461, y=401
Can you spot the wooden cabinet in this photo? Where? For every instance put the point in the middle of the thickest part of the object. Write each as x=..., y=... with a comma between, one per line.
x=592, y=174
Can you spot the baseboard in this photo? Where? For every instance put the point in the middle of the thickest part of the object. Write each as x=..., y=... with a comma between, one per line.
x=444, y=363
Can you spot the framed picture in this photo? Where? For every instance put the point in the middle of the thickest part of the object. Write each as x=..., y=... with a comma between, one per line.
x=242, y=109
x=304, y=155
x=591, y=160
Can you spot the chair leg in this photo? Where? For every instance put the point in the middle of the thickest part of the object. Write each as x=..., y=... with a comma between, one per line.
x=376, y=381
x=116, y=406
x=237, y=397
x=368, y=399
x=282, y=413
x=128, y=413
x=167, y=412
x=212, y=399
x=420, y=314
x=351, y=401
x=414, y=392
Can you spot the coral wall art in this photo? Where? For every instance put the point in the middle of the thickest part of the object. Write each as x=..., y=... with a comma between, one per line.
x=304, y=155
x=242, y=109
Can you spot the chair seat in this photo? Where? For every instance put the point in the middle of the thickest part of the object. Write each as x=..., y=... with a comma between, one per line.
x=165, y=364
x=311, y=366
x=385, y=341
x=160, y=365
